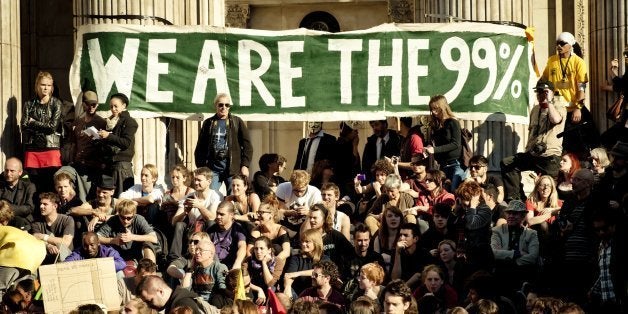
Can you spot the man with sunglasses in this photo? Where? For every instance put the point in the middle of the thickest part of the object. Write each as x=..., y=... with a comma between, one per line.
x=224, y=145
x=86, y=158
x=478, y=170
x=544, y=147
x=568, y=72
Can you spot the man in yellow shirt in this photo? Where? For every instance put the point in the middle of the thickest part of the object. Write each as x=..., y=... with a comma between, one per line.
x=568, y=72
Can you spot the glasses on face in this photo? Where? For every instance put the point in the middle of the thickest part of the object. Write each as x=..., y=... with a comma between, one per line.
x=195, y=242
x=126, y=218
x=299, y=191
x=561, y=43
x=199, y=250
x=220, y=105
x=477, y=167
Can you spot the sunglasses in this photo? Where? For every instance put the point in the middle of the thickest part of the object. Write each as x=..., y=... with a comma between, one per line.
x=476, y=167
x=195, y=242
x=220, y=105
x=126, y=218
x=561, y=43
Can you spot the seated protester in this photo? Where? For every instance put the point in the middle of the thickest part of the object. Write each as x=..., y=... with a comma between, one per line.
x=478, y=171
x=392, y=197
x=385, y=239
x=127, y=285
x=94, y=213
x=516, y=247
x=195, y=213
x=224, y=298
x=371, y=191
x=434, y=283
x=159, y=296
x=370, y=279
x=19, y=193
x=246, y=202
x=295, y=199
x=435, y=192
x=418, y=165
x=91, y=248
x=543, y=204
x=177, y=267
x=263, y=266
x=489, y=195
x=19, y=297
x=482, y=285
x=398, y=298
x=409, y=257
x=180, y=178
x=147, y=195
x=268, y=226
x=57, y=230
x=324, y=280
x=298, y=270
x=439, y=230
x=266, y=180
x=361, y=255
x=337, y=209
x=456, y=270
x=472, y=224
x=228, y=236
x=206, y=274
x=335, y=245
x=64, y=185
x=129, y=233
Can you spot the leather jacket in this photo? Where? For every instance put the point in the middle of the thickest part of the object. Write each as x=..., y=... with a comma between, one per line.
x=45, y=132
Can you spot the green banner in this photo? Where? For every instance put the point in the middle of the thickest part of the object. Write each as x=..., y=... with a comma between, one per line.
x=391, y=70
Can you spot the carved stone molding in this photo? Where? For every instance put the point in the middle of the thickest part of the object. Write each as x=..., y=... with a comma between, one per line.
x=237, y=15
x=581, y=23
x=401, y=11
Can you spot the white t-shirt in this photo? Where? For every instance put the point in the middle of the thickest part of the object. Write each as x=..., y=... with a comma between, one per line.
x=212, y=200
x=312, y=195
x=136, y=192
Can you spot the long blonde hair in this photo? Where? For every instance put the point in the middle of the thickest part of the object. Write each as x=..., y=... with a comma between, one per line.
x=316, y=237
x=440, y=102
x=535, y=197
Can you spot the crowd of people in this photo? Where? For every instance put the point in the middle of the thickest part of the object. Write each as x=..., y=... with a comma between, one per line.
x=405, y=226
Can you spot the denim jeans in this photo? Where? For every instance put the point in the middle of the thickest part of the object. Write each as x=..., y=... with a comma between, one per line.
x=218, y=179
x=454, y=172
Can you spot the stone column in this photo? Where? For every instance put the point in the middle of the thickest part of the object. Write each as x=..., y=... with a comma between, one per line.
x=10, y=80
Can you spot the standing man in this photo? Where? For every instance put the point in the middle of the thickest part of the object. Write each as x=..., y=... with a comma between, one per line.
x=383, y=143
x=57, y=230
x=224, y=145
x=317, y=146
x=19, y=193
x=544, y=148
x=86, y=158
x=568, y=73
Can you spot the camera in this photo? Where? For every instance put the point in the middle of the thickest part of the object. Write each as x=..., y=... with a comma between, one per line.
x=539, y=148
x=295, y=205
x=361, y=177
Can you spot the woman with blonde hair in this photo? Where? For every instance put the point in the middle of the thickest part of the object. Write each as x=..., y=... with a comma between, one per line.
x=543, y=204
x=41, y=133
x=268, y=217
x=299, y=267
x=446, y=140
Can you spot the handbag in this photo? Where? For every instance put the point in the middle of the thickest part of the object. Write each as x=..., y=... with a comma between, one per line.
x=614, y=112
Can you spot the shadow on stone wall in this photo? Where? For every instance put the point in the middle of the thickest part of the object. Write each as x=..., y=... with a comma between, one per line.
x=10, y=140
x=505, y=140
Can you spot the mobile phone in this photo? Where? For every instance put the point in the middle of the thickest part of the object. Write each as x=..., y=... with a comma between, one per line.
x=361, y=177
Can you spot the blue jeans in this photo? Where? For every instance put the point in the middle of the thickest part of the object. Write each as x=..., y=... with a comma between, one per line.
x=454, y=172
x=218, y=178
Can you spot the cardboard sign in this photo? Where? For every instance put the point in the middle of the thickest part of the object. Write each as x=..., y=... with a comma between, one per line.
x=67, y=285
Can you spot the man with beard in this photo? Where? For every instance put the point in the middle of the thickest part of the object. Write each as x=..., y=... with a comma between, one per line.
x=362, y=254
x=228, y=236
x=478, y=170
x=93, y=249
x=324, y=276
x=56, y=230
x=317, y=146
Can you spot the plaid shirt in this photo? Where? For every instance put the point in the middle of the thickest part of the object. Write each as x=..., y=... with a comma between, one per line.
x=604, y=285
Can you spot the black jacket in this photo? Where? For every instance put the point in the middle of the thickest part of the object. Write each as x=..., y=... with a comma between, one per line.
x=22, y=203
x=392, y=148
x=326, y=150
x=123, y=137
x=240, y=148
x=45, y=132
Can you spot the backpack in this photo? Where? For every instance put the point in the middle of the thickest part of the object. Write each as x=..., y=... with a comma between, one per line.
x=467, y=151
x=205, y=307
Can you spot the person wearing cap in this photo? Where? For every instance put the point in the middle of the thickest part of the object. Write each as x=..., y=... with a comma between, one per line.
x=516, y=247
x=90, y=215
x=86, y=157
x=543, y=150
x=568, y=72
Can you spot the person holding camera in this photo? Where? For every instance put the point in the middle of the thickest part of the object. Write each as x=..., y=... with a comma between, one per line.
x=544, y=147
x=224, y=145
